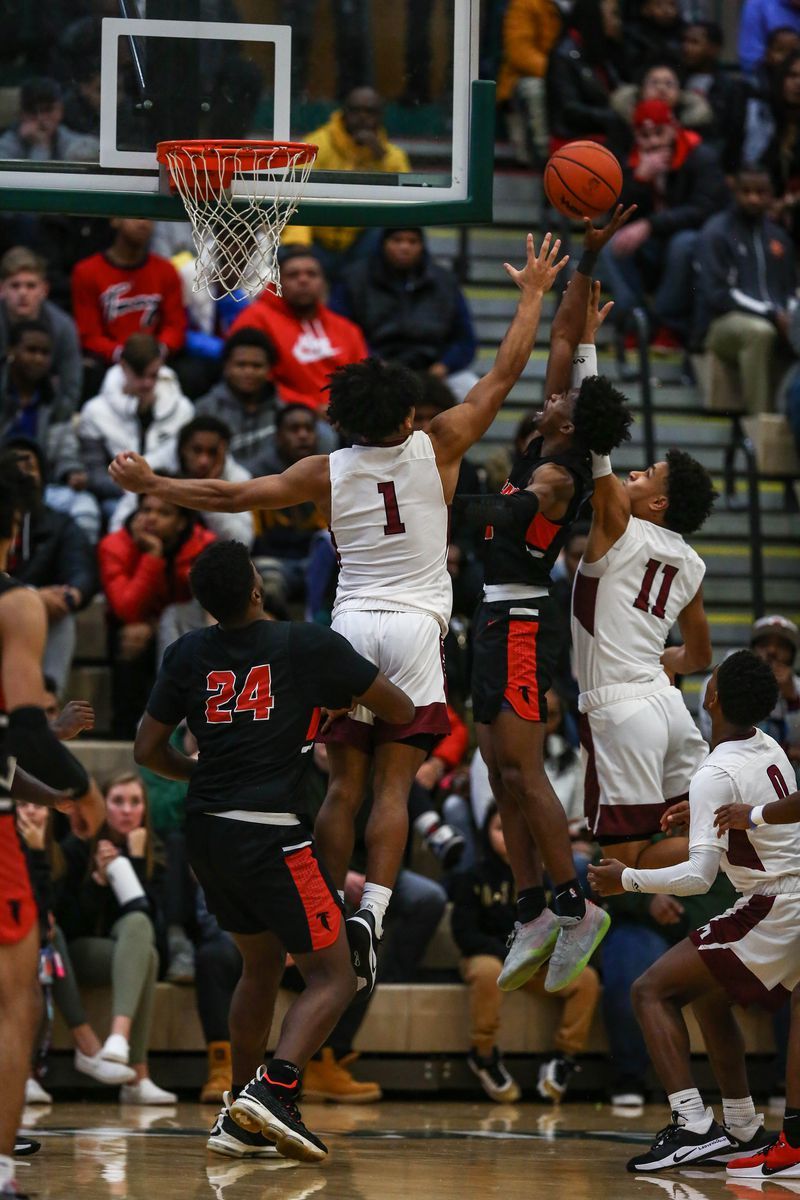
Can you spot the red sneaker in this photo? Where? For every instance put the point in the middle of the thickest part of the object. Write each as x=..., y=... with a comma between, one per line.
x=664, y=340
x=780, y=1160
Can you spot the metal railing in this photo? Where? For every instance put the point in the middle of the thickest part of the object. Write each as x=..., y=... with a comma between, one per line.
x=740, y=442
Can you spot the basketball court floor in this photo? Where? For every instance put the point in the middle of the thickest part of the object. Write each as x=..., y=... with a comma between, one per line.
x=411, y=1150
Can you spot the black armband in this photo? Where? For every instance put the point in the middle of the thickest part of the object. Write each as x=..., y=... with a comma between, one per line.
x=513, y=512
x=38, y=751
x=587, y=263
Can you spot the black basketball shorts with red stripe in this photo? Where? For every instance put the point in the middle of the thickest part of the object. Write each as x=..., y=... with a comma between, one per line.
x=516, y=645
x=264, y=879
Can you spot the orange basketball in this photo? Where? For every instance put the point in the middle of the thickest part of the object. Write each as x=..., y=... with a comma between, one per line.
x=582, y=179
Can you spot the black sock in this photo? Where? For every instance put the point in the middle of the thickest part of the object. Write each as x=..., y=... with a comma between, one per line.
x=791, y=1127
x=568, y=899
x=283, y=1077
x=530, y=903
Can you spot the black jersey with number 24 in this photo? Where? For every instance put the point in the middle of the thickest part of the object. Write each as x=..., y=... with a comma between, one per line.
x=250, y=696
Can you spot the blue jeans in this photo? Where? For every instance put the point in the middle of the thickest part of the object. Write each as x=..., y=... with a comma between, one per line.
x=664, y=267
x=416, y=908
x=628, y=950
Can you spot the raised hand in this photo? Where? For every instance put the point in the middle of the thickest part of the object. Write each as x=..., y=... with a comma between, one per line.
x=595, y=239
x=131, y=472
x=541, y=270
x=595, y=315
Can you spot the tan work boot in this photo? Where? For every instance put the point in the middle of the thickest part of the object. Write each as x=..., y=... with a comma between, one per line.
x=327, y=1079
x=220, y=1073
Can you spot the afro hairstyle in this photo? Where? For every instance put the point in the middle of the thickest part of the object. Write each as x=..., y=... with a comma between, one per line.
x=221, y=579
x=690, y=493
x=601, y=416
x=371, y=399
x=747, y=689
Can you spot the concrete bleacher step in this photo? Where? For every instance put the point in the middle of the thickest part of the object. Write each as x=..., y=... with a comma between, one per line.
x=92, y=637
x=103, y=758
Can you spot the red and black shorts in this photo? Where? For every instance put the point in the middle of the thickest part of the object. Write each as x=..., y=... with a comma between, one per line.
x=18, y=910
x=264, y=879
x=516, y=645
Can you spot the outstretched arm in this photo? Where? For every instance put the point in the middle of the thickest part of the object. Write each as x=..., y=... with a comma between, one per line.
x=454, y=431
x=568, y=323
x=306, y=480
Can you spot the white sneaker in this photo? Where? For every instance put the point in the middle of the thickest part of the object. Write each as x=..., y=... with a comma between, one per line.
x=529, y=946
x=577, y=942
x=116, y=1049
x=96, y=1067
x=35, y=1093
x=146, y=1092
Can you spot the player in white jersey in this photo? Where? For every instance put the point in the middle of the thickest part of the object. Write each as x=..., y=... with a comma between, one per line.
x=386, y=501
x=749, y=954
x=637, y=578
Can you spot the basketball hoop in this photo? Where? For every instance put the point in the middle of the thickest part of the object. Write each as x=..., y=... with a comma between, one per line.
x=237, y=229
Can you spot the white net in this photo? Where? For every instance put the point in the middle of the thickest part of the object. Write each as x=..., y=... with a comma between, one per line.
x=237, y=229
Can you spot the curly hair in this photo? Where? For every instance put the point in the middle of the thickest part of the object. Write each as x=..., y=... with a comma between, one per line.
x=371, y=399
x=221, y=579
x=746, y=688
x=601, y=416
x=690, y=493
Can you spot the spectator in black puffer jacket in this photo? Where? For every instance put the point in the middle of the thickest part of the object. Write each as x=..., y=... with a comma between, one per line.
x=410, y=309
x=586, y=66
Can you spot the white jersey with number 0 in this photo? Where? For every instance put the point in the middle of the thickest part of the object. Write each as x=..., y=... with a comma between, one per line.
x=623, y=607
x=389, y=522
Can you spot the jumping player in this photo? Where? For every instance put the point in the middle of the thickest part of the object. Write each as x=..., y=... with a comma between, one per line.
x=749, y=954
x=517, y=633
x=25, y=738
x=250, y=690
x=386, y=501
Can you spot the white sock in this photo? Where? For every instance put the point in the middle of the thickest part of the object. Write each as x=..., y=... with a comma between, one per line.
x=6, y=1170
x=739, y=1114
x=340, y=894
x=376, y=899
x=689, y=1106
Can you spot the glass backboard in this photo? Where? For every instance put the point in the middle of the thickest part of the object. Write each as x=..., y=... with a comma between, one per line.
x=388, y=90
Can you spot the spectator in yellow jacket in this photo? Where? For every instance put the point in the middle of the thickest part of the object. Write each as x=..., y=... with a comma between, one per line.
x=530, y=30
x=354, y=139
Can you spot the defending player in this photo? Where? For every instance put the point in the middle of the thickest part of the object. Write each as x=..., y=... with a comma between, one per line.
x=749, y=954
x=386, y=501
x=637, y=578
x=25, y=738
x=517, y=634
x=250, y=690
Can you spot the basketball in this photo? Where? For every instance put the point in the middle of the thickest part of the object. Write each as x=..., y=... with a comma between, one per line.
x=582, y=179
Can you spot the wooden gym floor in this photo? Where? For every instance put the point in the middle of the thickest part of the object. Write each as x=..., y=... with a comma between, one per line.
x=426, y=1150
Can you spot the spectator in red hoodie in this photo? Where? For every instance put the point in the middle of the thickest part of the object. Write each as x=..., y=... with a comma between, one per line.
x=309, y=339
x=144, y=572
x=677, y=184
x=125, y=290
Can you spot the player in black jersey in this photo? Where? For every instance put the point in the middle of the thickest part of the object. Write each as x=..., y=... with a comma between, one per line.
x=26, y=741
x=250, y=690
x=517, y=634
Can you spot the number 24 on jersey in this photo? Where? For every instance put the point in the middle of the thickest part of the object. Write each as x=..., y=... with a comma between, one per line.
x=255, y=697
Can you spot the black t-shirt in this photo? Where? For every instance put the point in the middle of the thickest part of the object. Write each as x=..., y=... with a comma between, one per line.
x=6, y=767
x=529, y=558
x=250, y=697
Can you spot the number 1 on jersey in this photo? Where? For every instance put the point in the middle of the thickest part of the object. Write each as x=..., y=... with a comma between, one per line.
x=642, y=601
x=393, y=522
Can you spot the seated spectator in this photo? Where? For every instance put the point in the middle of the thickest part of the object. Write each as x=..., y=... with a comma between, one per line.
x=144, y=571
x=246, y=397
x=201, y=452
x=23, y=297
x=82, y=99
x=782, y=154
x=53, y=555
x=309, y=339
x=530, y=30
x=410, y=309
x=655, y=32
x=123, y=291
x=727, y=93
x=140, y=407
x=677, y=184
x=586, y=65
x=110, y=925
x=747, y=280
x=39, y=135
x=764, y=96
x=353, y=139
x=445, y=843
x=482, y=920
x=661, y=81
x=759, y=19
x=283, y=535
x=418, y=905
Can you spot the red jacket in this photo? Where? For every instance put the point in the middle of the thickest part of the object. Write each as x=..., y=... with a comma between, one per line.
x=139, y=586
x=110, y=303
x=451, y=749
x=308, y=350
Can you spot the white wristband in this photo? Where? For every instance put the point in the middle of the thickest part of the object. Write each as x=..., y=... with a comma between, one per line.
x=601, y=465
x=757, y=816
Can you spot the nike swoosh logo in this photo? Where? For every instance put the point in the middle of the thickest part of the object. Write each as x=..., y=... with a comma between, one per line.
x=679, y=1158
